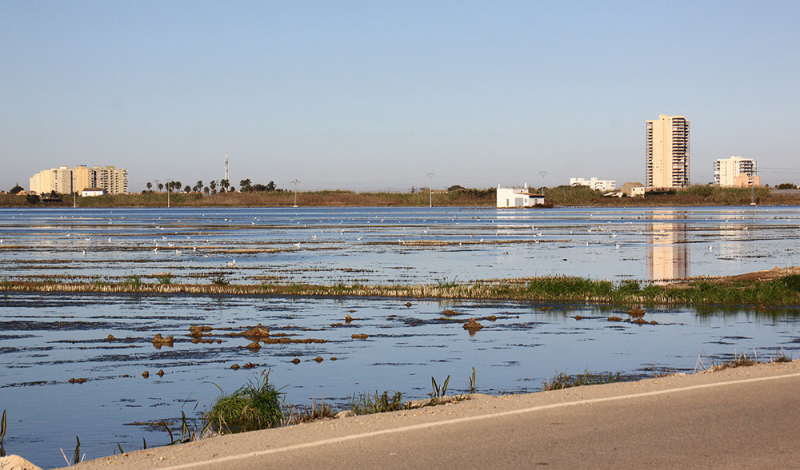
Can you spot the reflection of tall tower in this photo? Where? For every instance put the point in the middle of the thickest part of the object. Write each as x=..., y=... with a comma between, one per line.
x=667, y=250
x=226, y=168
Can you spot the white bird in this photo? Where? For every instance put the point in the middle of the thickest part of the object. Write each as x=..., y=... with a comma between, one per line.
x=231, y=263
x=194, y=248
x=88, y=239
x=710, y=248
x=155, y=250
x=536, y=241
x=359, y=238
x=297, y=245
x=618, y=246
x=178, y=252
x=313, y=237
x=84, y=252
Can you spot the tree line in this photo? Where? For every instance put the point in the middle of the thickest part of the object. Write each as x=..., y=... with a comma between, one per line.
x=213, y=187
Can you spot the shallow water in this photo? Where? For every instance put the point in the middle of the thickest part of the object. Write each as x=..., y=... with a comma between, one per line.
x=394, y=245
x=45, y=340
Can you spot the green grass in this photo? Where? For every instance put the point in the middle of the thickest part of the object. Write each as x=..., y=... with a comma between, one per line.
x=366, y=403
x=561, y=380
x=135, y=282
x=165, y=278
x=219, y=280
x=255, y=405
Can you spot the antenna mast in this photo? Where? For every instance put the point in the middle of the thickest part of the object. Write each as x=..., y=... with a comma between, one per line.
x=226, y=167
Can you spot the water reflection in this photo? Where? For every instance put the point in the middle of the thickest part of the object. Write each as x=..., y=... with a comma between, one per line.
x=667, y=247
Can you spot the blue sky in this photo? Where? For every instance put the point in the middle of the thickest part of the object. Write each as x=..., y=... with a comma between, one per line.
x=376, y=95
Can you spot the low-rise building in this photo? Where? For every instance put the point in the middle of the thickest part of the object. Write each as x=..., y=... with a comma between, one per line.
x=633, y=189
x=90, y=192
x=518, y=197
x=594, y=183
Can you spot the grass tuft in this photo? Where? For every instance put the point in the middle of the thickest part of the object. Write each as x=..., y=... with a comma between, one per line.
x=366, y=403
x=561, y=380
x=255, y=405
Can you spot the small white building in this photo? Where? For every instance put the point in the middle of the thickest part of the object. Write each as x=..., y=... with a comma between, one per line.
x=518, y=197
x=594, y=183
x=89, y=192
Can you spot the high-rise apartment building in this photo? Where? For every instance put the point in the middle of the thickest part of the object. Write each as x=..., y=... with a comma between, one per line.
x=83, y=178
x=667, y=152
x=64, y=180
x=113, y=180
x=54, y=179
x=736, y=172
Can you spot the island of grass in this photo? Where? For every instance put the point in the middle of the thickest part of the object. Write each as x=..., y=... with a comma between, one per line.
x=776, y=287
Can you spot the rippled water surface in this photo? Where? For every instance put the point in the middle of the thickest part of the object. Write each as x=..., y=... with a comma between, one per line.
x=48, y=339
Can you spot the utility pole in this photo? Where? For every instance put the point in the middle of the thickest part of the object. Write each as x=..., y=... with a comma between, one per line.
x=542, y=174
x=295, y=191
x=168, y=184
x=430, y=189
x=226, y=168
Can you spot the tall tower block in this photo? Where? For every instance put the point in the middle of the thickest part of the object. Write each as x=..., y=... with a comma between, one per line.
x=667, y=152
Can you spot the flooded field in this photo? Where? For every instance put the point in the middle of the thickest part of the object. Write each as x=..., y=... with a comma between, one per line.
x=48, y=339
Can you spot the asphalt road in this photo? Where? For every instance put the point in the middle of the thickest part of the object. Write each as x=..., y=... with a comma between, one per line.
x=737, y=418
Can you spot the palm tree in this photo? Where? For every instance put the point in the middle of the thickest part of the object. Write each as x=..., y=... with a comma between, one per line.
x=149, y=186
x=213, y=186
x=160, y=187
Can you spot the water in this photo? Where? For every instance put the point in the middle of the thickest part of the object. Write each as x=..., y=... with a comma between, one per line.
x=45, y=340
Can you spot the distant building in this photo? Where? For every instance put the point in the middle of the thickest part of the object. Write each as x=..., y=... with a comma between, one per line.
x=54, y=179
x=594, y=183
x=64, y=180
x=667, y=152
x=518, y=197
x=633, y=189
x=736, y=172
x=90, y=192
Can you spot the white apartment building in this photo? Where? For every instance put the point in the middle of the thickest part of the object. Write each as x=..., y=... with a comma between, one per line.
x=54, y=179
x=736, y=172
x=667, y=152
x=64, y=180
x=594, y=183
